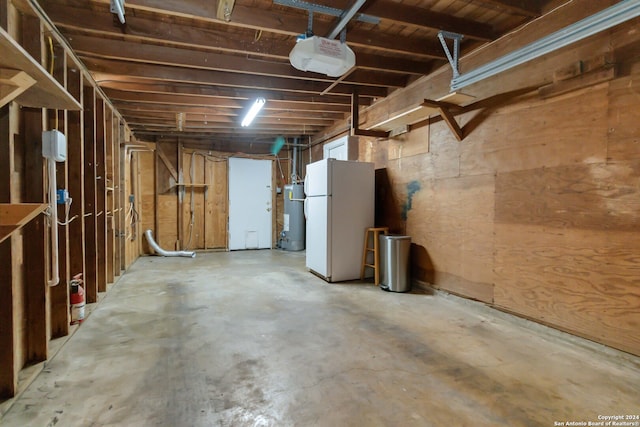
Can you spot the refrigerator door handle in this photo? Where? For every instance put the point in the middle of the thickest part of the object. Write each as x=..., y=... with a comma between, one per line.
x=306, y=185
x=305, y=209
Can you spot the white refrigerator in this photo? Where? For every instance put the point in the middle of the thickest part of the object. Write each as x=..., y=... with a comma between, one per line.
x=339, y=207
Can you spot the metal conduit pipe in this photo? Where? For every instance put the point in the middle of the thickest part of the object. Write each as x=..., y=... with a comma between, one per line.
x=294, y=165
x=53, y=222
x=159, y=251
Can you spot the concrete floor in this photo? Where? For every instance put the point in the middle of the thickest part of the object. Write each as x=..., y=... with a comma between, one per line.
x=253, y=339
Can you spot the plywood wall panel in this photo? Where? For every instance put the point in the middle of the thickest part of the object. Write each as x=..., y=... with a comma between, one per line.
x=409, y=144
x=583, y=281
x=452, y=219
x=444, y=153
x=146, y=209
x=533, y=134
x=449, y=220
x=587, y=196
x=166, y=210
x=216, y=234
x=133, y=238
x=193, y=201
x=536, y=209
x=624, y=119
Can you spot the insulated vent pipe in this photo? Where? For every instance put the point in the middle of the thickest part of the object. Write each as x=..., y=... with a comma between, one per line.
x=159, y=251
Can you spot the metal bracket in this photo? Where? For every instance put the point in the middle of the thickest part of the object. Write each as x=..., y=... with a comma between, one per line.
x=326, y=10
x=453, y=60
x=309, y=32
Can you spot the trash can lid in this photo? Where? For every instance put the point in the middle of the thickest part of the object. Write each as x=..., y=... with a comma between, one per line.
x=396, y=237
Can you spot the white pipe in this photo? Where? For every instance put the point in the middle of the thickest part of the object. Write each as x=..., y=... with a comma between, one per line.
x=53, y=223
x=158, y=250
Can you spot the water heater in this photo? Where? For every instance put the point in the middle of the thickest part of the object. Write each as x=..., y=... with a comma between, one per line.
x=293, y=233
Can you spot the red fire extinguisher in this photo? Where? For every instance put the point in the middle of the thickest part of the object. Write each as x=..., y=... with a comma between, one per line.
x=76, y=299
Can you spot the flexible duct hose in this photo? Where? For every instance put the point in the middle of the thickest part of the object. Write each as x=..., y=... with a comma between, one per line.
x=159, y=251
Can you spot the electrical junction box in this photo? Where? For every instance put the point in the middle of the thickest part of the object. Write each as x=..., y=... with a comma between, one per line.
x=54, y=145
x=62, y=196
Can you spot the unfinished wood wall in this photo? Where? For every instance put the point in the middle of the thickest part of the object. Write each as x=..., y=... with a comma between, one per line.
x=204, y=201
x=31, y=312
x=537, y=210
x=185, y=199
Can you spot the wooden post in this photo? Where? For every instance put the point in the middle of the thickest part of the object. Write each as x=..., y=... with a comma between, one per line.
x=122, y=194
x=90, y=232
x=180, y=191
x=117, y=196
x=355, y=119
x=8, y=376
x=101, y=198
x=35, y=237
x=110, y=189
x=75, y=165
x=59, y=309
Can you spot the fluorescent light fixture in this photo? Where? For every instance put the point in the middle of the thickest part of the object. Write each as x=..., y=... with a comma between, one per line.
x=253, y=112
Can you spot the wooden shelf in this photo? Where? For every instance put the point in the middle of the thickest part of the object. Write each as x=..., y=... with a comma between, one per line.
x=12, y=84
x=191, y=185
x=44, y=92
x=420, y=112
x=15, y=216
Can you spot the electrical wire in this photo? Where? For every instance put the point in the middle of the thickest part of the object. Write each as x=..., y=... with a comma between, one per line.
x=134, y=221
x=67, y=211
x=133, y=218
x=192, y=206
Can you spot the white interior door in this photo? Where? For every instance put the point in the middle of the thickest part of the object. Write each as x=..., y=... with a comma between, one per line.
x=338, y=149
x=250, y=211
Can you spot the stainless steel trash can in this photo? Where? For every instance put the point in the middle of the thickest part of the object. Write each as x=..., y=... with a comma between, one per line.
x=394, y=263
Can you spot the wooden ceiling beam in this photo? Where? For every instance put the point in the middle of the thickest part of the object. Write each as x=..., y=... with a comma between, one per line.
x=421, y=17
x=173, y=56
x=151, y=86
x=100, y=67
x=218, y=35
x=292, y=23
x=81, y=42
x=261, y=129
x=264, y=127
x=182, y=100
x=132, y=109
x=265, y=117
x=214, y=137
x=530, y=8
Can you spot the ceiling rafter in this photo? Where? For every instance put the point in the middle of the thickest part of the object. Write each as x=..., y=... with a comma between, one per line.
x=164, y=55
x=184, y=58
x=217, y=35
x=288, y=22
x=530, y=8
x=101, y=67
